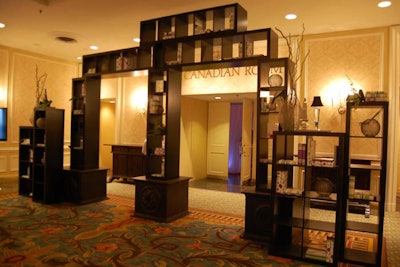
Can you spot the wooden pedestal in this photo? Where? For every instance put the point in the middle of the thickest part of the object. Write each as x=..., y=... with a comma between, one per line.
x=161, y=200
x=85, y=186
x=258, y=216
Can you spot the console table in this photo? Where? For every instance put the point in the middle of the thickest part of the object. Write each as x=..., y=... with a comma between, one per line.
x=128, y=161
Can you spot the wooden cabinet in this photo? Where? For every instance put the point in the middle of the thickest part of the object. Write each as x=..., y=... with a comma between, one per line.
x=258, y=219
x=364, y=188
x=84, y=176
x=41, y=156
x=85, y=186
x=308, y=166
x=128, y=161
x=161, y=200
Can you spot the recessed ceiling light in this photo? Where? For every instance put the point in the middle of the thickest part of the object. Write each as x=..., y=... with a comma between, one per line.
x=94, y=47
x=136, y=39
x=291, y=16
x=383, y=4
x=2, y=25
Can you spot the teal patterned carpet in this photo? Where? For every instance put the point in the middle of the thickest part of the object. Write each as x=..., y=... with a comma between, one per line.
x=105, y=234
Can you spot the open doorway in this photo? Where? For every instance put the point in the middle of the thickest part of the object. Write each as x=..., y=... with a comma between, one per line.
x=235, y=143
x=229, y=138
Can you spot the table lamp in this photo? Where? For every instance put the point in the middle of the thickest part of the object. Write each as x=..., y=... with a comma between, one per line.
x=317, y=104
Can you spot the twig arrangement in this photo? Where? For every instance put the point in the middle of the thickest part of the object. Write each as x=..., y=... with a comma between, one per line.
x=41, y=92
x=297, y=64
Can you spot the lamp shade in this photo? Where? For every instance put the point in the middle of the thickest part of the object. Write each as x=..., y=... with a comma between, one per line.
x=317, y=102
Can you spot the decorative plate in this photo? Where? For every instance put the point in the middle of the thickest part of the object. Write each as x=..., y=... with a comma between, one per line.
x=275, y=80
x=370, y=127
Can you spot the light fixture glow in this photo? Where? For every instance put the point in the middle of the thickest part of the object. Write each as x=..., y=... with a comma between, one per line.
x=291, y=16
x=2, y=25
x=383, y=4
x=79, y=58
x=94, y=47
x=136, y=40
x=264, y=94
x=217, y=98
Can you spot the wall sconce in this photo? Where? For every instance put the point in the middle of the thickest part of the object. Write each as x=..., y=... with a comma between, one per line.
x=139, y=100
x=317, y=104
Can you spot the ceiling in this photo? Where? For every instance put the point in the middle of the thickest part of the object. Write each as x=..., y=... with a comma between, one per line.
x=33, y=25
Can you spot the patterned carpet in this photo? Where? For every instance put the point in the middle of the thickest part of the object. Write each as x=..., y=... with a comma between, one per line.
x=195, y=214
x=200, y=202
x=105, y=234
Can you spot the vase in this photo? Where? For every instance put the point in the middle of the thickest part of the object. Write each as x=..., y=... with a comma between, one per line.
x=287, y=116
x=324, y=187
x=41, y=123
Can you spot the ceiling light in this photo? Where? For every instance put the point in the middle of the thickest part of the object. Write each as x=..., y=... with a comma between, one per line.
x=291, y=16
x=66, y=39
x=2, y=25
x=217, y=98
x=383, y=4
x=94, y=47
x=136, y=39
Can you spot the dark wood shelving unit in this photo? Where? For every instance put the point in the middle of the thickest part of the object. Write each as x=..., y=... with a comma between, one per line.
x=229, y=18
x=272, y=80
x=220, y=46
x=163, y=194
x=298, y=180
x=118, y=62
x=366, y=184
x=218, y=38
x=259, y=202
x=25, y=160
x=41, y=156
x=84, y=181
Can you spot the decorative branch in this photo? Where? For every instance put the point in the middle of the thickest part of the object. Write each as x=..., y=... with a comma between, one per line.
x=40, y=85
x=41, y=92
x=297, y=64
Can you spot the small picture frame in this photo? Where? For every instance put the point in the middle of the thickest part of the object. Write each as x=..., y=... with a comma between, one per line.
x=159, y=86
x=91, y=70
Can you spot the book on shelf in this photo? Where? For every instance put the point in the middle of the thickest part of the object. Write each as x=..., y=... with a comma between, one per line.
x=311, y=148
x=323, y=162
x=301, y=154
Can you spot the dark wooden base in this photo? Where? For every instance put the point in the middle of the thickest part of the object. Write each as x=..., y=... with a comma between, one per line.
x=85, y=186
x=161, y=200
x=258, y=216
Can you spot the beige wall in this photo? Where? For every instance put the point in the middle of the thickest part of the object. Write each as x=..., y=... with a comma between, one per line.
x=17, y=93
x=360, y=55
x=193, y=148
x=132, y=122
x=107, y=135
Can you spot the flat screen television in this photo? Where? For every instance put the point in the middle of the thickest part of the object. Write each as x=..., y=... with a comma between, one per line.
x=3, y=124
